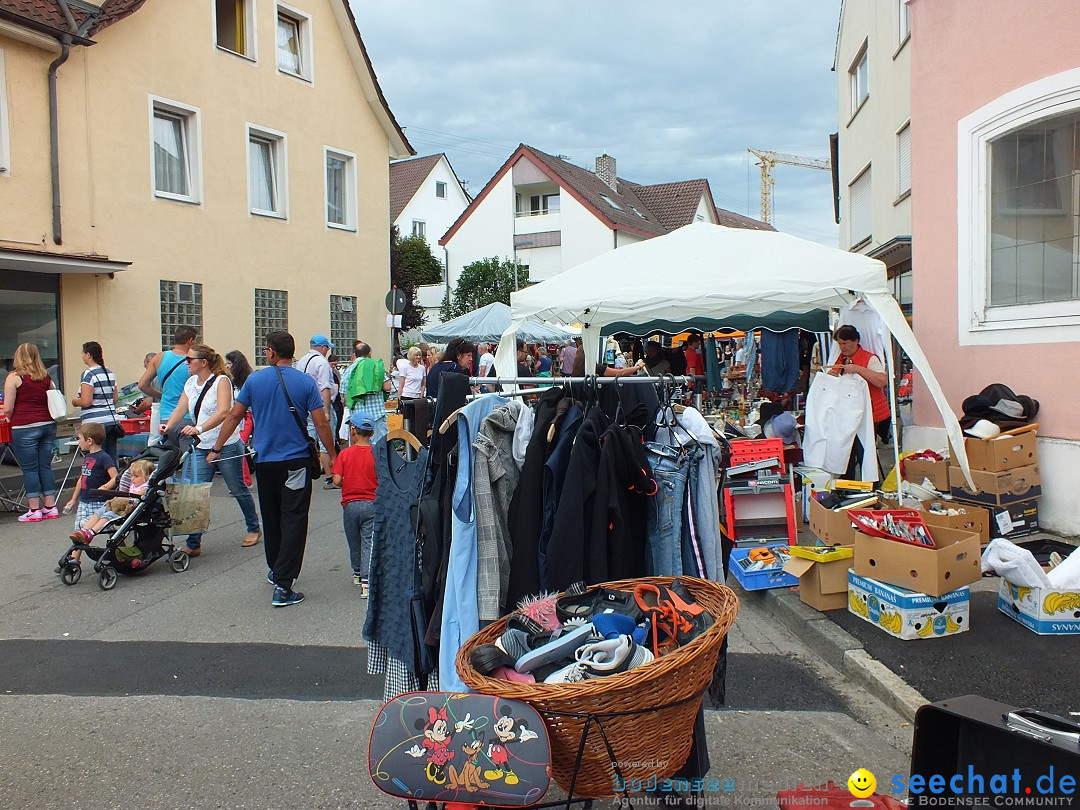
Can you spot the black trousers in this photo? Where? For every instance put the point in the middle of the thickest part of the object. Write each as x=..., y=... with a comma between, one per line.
x=883, y=431
x=284, y=500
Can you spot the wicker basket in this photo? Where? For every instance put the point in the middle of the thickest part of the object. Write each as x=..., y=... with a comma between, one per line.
x=647, y=713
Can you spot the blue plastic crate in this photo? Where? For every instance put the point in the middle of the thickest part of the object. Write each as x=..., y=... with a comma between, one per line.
x=759, y=580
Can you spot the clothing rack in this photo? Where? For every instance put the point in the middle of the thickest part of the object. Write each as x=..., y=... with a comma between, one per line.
x=554, y=382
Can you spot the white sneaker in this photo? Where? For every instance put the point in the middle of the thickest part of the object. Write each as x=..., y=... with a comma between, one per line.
x=600, y=659
x=31, y=516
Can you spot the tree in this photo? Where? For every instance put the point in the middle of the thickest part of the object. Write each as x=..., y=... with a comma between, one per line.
x=484, y=282
x=412, y=265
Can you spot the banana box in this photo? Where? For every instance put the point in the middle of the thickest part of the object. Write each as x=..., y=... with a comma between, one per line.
x=1041, y=610
x=906, y=614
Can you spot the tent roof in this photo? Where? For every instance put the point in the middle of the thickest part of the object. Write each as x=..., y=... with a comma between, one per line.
x=708, y=275
x=488, y=324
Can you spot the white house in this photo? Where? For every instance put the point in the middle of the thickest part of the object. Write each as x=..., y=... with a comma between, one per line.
x=426, y=198
x=551, y=215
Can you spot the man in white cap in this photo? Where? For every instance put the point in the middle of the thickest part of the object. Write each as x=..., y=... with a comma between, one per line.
x=316, y=366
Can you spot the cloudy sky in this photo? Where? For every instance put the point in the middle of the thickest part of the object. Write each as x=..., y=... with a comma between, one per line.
x=673, y=91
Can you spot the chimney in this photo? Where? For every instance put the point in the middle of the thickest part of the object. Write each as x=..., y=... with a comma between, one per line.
x=605, y=170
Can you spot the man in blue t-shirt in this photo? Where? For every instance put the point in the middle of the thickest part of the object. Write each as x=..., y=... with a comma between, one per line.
x=165, y=375
x=282, y=456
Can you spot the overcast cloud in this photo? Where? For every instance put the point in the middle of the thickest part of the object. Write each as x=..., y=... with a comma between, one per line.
x=674, y=91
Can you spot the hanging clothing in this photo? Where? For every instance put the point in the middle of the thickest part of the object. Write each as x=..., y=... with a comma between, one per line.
x=874, y=335
x=460, y=618
x=495, y=477
x=779, y=360
x=837, y=410
x=713, y=374
x=670, y=469
x=554, y=474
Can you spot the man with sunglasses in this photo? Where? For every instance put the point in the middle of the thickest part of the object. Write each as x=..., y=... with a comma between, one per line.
x=282, y=457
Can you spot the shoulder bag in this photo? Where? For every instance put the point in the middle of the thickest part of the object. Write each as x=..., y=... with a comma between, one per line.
x=116, y=429
x=314, y=462
x=202, y=396
x=57, y=404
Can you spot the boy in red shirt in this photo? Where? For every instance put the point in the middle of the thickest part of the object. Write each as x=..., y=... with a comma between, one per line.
x=354, y=472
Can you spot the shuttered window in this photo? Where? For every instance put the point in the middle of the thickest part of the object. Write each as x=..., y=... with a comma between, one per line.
x=903, y=160
x=861, y=215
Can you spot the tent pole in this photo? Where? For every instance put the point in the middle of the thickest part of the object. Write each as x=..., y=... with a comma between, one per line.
x=892, y=408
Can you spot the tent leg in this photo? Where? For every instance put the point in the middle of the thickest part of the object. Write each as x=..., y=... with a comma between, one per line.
x=890, y=357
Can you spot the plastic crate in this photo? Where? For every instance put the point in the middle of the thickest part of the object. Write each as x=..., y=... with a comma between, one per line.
x=5, y=432
x=911, y=517
x=763, y=579
x=746, y=450
x=141, y=425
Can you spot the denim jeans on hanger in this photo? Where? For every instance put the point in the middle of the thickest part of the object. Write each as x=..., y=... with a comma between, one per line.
x=670, y=471
x=693, y=556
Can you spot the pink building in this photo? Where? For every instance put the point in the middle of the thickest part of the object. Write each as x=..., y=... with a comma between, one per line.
x=995, y=164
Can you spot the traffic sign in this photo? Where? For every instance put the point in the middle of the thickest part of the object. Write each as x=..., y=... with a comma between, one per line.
x=396, y=300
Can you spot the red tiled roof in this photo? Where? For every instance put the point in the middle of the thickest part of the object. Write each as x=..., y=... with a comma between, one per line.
x=406, y=177
x=47, y=14
x=674, y=204
x=733, y=220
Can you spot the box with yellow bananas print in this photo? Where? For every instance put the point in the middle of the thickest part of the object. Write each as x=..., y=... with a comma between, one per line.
x=1043, y=610
x=906, y=614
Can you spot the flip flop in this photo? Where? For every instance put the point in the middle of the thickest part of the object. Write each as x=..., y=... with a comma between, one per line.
x=251, y=540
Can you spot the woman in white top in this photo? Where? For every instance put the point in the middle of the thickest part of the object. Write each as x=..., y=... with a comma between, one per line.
x=412, y=375
x=207, y=398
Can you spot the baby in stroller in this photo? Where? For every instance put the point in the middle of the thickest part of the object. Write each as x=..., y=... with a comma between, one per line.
x=138, y=476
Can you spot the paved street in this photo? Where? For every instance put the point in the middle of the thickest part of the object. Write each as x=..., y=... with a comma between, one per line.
x=189, y=690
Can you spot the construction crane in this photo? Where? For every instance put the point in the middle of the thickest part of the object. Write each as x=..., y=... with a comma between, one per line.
x=766, y=161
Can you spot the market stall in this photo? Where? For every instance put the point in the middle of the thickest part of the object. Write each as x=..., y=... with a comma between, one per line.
x=488, y=323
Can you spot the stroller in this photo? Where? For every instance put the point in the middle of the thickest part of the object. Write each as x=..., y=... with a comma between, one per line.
x=144, y=535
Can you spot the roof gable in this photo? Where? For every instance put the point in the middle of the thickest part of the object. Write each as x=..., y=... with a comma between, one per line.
x=406, y=178
x=47, y=16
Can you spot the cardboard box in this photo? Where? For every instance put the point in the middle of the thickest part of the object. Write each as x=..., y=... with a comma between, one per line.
x=822, y=584
x=905, y=614
x=1013, y=520
x=813, y=480
x=919, y=469
x=997, y=488
x=1041, y=610
x=972, y=518
x=833, y=527
x=934, y=571
x=1002, y=452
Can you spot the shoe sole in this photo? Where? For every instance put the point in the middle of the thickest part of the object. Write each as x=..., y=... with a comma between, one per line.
x=287, y=604
x=557, y=649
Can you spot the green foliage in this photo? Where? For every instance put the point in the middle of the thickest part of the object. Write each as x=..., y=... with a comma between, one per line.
x=412, y=265
x=484, y=282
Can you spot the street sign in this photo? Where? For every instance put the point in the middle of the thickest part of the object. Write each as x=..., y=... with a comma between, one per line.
x=396, y=301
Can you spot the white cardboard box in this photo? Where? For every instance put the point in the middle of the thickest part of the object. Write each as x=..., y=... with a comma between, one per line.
x=906, y=614
x=1041, y=610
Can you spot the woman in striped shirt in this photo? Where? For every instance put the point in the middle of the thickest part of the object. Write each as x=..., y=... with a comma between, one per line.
x=97, y=396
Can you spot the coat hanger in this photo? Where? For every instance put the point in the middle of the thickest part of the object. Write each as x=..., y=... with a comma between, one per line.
x=406, y=437
x=448, y=421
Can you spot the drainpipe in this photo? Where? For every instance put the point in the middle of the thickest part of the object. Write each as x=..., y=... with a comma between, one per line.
x=54, y=134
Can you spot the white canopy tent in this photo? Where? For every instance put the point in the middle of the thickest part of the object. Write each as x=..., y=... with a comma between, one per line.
x=710, y=276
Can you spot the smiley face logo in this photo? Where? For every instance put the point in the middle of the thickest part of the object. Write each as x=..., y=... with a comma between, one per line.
x=861, y=783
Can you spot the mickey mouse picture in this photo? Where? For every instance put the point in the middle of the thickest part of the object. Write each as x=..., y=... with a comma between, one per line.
x=498, y=753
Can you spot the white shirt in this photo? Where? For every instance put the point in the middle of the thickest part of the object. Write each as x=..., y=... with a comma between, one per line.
x=413, y=376
x=318, y=368
x=192, y=387
x=487, y=360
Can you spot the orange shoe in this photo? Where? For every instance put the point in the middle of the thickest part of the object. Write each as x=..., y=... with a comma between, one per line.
x=675, y=617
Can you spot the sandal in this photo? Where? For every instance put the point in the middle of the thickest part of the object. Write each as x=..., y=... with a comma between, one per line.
x=252, y=539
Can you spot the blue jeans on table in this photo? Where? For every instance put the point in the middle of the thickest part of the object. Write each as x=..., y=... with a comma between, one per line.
x=33, y=448
x=231, y=466
x=670, y=471
x=359, y=520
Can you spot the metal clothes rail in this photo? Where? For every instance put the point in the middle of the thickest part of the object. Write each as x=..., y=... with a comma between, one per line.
x=551, y=382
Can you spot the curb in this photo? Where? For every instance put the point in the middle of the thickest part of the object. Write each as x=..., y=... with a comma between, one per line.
x=839, y=649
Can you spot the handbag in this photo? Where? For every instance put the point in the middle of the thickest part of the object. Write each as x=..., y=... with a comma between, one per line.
x=314, y=466
x=116, y=430
x=57, y=403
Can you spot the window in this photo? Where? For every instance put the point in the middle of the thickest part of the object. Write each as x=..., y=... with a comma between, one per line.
x=860, y=216
x=419, y=228
x=267, y=173
x=538, y=204
x=175, y=147
x=340, y=189
x=181, y=305
x=271, y=314
x=5, y=147
x=234, y=25
x=343, y=323
x=293, y=42
x=440, y=189
x=903, y=160
x=903, y=17
x=611, y=202
x=859, y=79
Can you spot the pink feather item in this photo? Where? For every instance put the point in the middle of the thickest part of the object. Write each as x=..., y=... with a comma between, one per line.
x=541, y=609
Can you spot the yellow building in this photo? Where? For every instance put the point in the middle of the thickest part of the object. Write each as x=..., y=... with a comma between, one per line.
x=219, y=163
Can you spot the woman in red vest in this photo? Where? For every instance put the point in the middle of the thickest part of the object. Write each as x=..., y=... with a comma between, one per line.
x=854, y=359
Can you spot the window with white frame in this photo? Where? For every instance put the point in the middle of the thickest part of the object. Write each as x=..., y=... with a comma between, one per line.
x=340, y=189
x=181, y=305
x=440, y=189
x=234, y=26
x=859, y=78
x=174, y=137
x=5, y=143
x=903, y=160
x=860, y=210
x=271, y=315
x=419, y=228
x=343, y=321
x=267, y=173
x=903, y=21
x=293, y=42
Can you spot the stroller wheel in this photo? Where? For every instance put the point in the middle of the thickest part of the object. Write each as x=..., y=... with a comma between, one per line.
x=107, y=578
x=71, y=574
x=179, y=561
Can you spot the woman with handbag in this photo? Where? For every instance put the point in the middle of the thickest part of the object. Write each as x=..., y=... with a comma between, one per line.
x=33, y=431
x=207, y=399
x=97, y=396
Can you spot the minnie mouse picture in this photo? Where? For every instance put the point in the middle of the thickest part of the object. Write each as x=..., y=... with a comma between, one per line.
x=436, y=728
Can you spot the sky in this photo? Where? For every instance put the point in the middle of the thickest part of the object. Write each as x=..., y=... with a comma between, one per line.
x=674, y=91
